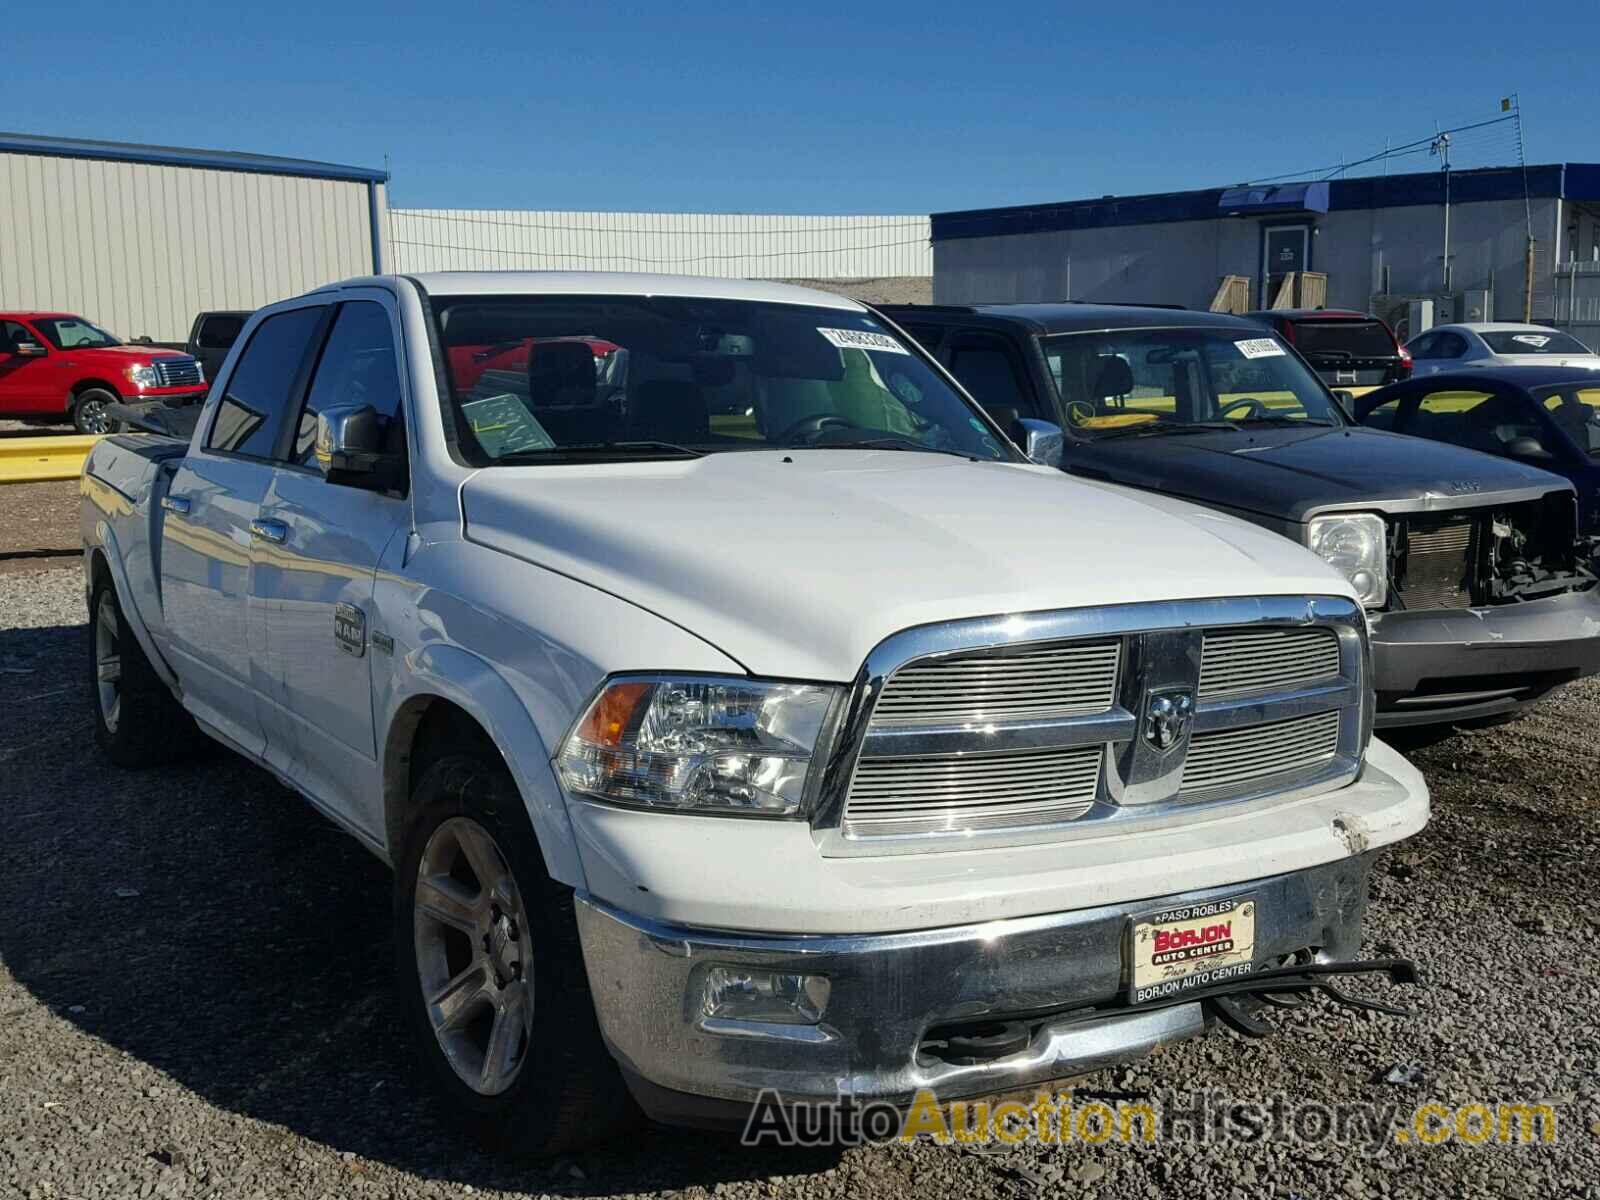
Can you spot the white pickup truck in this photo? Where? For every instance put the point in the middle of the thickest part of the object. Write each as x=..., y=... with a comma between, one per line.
x=740, y=710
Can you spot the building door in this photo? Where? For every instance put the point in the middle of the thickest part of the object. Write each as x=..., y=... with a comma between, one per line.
x=1285, y=249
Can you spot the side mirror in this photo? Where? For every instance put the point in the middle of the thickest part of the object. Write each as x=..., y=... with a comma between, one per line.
x=1042, y=441
x=350, y=448
x=1526, y=447
x=29, y=350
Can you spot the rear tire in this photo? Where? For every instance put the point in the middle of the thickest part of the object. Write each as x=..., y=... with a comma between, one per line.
x=89, y=411
x=490, y=972
x=138, y=722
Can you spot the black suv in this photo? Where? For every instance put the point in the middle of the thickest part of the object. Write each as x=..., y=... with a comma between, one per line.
x=1350, y=351
x=1222, y=411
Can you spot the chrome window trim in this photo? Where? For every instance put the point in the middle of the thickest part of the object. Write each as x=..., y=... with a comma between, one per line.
x=1139, y=783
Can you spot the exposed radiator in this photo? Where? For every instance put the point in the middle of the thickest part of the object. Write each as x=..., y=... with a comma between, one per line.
x=1437, y=572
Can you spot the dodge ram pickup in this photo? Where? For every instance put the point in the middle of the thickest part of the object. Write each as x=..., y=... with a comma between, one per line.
x=1473, y=571
x=746, y=720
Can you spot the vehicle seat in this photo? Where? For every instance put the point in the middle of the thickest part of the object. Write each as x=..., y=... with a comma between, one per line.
x=1115, y=379
x=1574, y=416
x=669, y=410
x=562, y=393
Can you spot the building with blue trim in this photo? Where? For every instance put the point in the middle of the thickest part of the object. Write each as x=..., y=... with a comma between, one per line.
x=140, y=238
x=1379, y=241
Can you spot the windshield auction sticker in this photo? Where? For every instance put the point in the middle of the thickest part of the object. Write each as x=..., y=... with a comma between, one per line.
x=503, y=425
x=861, y=339
x=1259, y=348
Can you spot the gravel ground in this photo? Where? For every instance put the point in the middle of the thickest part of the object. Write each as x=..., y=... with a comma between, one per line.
x=38, y=526
x=890, y=289
x=194, y=980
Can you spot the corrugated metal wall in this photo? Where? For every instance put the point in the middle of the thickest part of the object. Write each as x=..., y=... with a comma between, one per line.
x=737, y=245
x=140, y=249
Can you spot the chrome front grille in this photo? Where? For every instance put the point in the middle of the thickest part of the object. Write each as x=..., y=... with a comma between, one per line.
x=1256, y=754
x=1233, y=661
x=1437, y=572
x=980, y=729
x=177, y=372
x=1058, y=681
x=978, y=791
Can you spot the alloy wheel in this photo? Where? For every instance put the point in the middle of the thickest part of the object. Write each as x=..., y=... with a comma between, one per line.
x=108, y=661
x=92, y=416
x=474, y=955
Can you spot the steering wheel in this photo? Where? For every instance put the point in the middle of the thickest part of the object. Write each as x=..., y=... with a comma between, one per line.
x=808, y=428
x=1253, y=407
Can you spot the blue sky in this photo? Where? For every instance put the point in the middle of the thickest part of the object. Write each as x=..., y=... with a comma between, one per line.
x=873, y=107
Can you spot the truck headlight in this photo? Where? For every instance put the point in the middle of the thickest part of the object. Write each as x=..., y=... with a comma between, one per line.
x=142, y=376
x=1357, y=545
x=706, y=744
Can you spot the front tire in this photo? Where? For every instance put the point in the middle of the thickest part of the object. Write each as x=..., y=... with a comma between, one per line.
x=89, y=413
x=490, y=972
x=138, y=722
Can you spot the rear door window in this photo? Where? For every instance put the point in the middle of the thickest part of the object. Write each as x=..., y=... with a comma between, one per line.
x=264, y=385
x=219, y=332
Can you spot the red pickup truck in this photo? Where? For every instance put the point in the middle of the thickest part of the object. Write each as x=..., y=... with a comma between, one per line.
x=57, y=367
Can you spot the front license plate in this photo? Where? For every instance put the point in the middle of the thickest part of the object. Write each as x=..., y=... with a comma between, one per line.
x=1191, y=946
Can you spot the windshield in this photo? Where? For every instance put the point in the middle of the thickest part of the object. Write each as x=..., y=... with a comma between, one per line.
x=553, y=377
x=1576, y=408
x=1343, y=339
x=1533, y=341
x=1153, y=380
x=73, y=333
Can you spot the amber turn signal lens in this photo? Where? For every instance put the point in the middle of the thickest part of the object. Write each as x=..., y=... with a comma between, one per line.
x=614, y=712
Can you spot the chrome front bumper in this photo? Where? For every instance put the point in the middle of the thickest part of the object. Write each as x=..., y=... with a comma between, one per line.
x=890, y=990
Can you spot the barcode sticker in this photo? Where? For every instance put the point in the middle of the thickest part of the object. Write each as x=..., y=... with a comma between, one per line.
x=861, y=339
x=1259, y=348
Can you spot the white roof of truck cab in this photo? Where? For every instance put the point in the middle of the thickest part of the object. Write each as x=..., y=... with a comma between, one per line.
x=620, y=283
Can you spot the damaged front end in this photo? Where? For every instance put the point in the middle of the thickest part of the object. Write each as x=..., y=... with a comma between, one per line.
x=1496, y=554
x=1492, y=606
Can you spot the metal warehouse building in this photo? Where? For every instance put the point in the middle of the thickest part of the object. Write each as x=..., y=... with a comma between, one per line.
x=1379, y=241
x=140, y=238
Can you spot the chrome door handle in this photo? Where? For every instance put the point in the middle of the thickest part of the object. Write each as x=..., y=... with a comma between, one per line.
x=177, y=504
x=269, y=531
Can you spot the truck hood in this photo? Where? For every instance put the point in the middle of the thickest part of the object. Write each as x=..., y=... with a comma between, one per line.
x=122, y=356
x=1289, y=474
x=797, y=564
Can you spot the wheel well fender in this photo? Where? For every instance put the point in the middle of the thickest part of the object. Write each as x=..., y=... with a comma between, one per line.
x=456, y=697
x=105, y=561
x=83, y=385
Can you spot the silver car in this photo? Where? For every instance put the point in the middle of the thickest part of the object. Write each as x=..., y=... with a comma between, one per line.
x=1497, y=344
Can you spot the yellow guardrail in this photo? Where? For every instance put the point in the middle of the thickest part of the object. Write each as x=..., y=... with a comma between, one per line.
x=41, y=459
